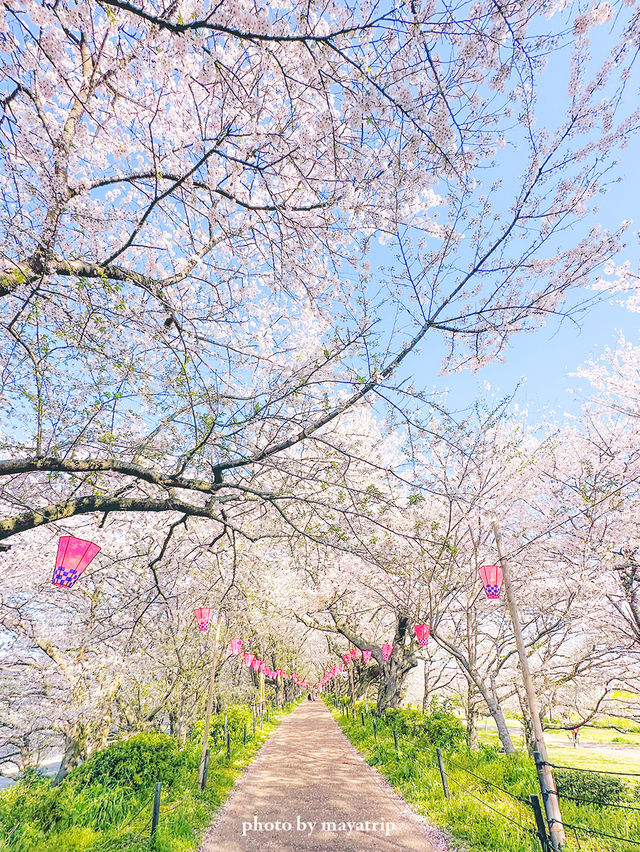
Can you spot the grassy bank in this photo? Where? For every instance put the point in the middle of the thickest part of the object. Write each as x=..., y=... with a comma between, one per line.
x=105, y=805
x=488, y=809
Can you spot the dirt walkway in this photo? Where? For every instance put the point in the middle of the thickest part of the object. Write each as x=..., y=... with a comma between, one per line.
x=309, y=789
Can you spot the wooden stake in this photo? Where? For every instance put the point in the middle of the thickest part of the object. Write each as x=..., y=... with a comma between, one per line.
x=443, y=774
x=547, y=782
x=212, y=682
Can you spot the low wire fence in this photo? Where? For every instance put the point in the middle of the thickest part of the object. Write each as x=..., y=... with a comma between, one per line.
x=525, y=814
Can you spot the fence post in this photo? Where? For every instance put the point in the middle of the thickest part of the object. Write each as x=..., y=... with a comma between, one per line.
x=254, y=726
x=244, y=734
x=362, y=717
x=443, y=775
x=375, y=729
x=540, y=823
x=155, y=816
x=228, y=746
x=395, y=740
x=546, y=801
x=205, y=770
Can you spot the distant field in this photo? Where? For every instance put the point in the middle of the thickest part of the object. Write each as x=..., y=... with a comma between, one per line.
x=596, y=749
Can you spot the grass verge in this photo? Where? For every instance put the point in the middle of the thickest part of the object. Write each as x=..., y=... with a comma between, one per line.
x=85, y=815
x=486, y=812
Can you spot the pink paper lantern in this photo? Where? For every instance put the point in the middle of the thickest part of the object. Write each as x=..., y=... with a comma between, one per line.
x=202, y=614
x=355, y=653
x=366, y=656
x=347, y=658
x=255, y=664
x=387, y=650
x=340, y=667
x=236, y=644
x=74, y=554
x=422, y=633
x=248, y=659
x=491, y=576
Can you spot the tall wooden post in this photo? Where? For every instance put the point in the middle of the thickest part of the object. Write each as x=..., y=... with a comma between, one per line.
x=547, y=781
x=353, y=690
x=212, y=682
x=279, y=691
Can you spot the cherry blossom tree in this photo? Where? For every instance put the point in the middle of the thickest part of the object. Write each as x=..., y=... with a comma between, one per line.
x=191, y=198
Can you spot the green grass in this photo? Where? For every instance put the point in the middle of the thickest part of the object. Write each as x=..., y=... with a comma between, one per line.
x=483, y=818
x=35, y=817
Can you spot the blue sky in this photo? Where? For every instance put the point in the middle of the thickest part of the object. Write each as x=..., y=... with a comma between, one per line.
x=544, y=359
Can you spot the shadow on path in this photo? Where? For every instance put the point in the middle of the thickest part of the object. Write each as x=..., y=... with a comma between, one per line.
x=309, y=789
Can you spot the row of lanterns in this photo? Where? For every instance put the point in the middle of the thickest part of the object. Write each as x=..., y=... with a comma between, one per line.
x=75, y=554
x=203, y=616
x=422, y=635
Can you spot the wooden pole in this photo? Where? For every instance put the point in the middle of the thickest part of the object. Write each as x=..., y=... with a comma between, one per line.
x=155, y=815
x=443, y=774
x=353, y=691
x=540, y=823
x=547, y=782
x=212, y=682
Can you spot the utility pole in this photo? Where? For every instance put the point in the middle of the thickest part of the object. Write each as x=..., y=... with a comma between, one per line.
x=545, y=775
x=207, y=718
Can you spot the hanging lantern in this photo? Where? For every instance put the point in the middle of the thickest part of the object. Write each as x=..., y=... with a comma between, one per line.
x=491, y=576
x=354, y=653
x=347, y=658
x=366, y=656
x=74, y=554
x=236, y=644
x=387, y=650
x=248, y=659
x=203, y=614
x=422, y=633
x=255, y=664
x=340, y=667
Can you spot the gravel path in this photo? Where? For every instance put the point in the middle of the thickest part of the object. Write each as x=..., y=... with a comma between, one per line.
x=309, y=789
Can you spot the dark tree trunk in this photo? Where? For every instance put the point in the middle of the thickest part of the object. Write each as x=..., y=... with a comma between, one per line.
x=75, y=744
x=392, y=675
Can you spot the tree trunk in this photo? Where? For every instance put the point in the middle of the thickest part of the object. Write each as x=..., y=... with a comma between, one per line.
x=496, y=711
x=391, y=680
x=75, y=744
x=529, y=738
x=472, y=717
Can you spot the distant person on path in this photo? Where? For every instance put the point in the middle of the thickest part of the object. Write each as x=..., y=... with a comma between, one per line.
x=575, y=732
